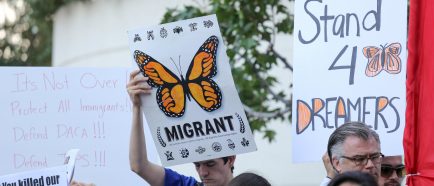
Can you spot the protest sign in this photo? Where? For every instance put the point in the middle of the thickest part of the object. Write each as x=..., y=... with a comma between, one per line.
x=349, y=65
x=70, y=159
x=194, y=112
x=46, y=111
x=43, y=177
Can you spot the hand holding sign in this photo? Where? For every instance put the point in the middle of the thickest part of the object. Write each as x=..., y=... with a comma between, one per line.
x=136, y=86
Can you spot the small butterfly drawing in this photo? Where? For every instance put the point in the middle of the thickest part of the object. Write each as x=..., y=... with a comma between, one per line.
x=172, y=90
x=384, y=58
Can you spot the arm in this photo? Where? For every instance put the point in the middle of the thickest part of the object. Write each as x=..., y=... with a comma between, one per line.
x=139, y=163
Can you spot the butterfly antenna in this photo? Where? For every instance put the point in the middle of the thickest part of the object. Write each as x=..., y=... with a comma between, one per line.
x=179, y=63
x=176, y=66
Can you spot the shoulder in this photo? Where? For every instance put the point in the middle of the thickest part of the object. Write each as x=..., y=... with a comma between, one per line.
x=175, y=179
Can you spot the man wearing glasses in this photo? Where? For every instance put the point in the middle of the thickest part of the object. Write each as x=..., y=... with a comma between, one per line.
x=392, y=171
x=354, y=147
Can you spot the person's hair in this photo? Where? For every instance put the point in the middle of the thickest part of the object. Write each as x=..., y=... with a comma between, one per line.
x=225, y=160
x=356, y=129
x=361, y=178
x=249, y=179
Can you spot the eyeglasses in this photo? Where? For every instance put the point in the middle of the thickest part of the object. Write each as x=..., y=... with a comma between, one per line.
x=363, y=160
x=387, y=170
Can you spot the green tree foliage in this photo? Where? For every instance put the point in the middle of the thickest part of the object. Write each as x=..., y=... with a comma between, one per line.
x=26, y=31
x=249, y=28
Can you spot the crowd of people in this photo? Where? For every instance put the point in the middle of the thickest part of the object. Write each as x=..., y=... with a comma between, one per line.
x=353, y=156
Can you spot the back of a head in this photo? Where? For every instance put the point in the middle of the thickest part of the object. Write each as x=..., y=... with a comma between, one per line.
x=249, y=179
x=355, y=178
x=356, y=129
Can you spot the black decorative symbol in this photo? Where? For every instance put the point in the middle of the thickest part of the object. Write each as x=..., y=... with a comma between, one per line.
x=184, y=153
x=163, y=32
x=242, y=126
x=200, y=150
x=193, y=26
x=150, y=35
x=231, y=144
x=177, y=30
x=216, y=146
x=137, y=38
x=160, y=139
x=169, y=156
x=245, y=142
x=208, y=23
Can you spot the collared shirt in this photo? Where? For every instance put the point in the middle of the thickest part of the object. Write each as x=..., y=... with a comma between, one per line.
x=325, y=181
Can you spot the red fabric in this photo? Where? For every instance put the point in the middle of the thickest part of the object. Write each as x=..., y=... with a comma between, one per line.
x=419, y=129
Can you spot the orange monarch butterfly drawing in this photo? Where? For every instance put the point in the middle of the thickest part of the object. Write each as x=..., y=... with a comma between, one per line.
x=384, y=58
x=198, y=84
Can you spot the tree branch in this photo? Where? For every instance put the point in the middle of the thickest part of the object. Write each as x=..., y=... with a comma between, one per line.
x=267, y=115
x=271, y=46
x=280, y=57
x=267, y=87
x=285, y=62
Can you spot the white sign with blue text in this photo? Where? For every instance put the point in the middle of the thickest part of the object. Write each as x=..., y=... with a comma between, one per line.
x=349, y=65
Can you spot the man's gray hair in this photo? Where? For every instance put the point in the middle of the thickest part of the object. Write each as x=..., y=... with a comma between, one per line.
x=356, y=129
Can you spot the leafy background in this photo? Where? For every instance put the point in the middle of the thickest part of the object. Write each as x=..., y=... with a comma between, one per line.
x=249, y=29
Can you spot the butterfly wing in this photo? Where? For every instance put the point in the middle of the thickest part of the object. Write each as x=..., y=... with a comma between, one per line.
x=171, y=100
x=170, y=92
x=203, y=63
x=206, y=93
x=202, y=68
x=393, y=61
x=374, y=65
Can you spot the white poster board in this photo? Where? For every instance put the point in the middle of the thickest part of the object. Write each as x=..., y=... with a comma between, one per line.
x=349, y=65
x=70, y=158
x=194, y=111
x=43, y=177
x=47, y=111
